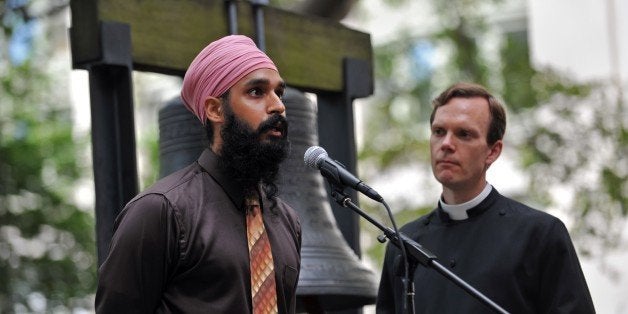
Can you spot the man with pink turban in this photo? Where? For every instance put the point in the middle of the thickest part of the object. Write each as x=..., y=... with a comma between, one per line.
x=182, y=246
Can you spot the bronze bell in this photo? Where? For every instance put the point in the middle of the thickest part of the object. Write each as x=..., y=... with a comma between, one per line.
x=332, y=276
x=182, y=137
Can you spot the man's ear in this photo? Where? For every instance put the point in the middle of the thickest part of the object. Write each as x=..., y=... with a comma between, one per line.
x=213, y=110
x=495, y=151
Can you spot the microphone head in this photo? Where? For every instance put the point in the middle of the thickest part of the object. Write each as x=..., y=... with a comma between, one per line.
x=313, y=156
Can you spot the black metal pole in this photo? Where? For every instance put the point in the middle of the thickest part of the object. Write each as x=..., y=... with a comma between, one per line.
x=232, y=16
x=258, y=16
x=113, y=131
x=337, y=135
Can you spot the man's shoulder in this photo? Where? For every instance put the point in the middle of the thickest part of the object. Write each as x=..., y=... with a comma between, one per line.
x=177, y=192
x=514, y=207
x=164, y=189
x=517, y=213
x=173, y=180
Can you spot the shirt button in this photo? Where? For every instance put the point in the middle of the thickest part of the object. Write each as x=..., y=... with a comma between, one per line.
x=452, y=263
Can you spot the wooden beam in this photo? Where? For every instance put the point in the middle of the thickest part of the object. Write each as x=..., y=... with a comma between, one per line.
x=167, y=34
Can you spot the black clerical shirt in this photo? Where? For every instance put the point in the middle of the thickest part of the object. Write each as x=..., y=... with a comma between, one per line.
x=519, y=257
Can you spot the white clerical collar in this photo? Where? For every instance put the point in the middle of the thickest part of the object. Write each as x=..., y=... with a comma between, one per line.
x=459, y=211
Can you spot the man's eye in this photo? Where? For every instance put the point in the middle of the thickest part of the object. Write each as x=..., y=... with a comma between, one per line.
x=438, y=131
x=255, y=91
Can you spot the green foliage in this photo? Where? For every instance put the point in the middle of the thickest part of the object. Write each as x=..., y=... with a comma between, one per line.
x=47, y=251
x=517, y=72
x=392, y=130
x=576, y=143
x=149, y=145
x=572, y=140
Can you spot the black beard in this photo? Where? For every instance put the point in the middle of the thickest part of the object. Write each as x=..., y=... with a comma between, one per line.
x=250, y=161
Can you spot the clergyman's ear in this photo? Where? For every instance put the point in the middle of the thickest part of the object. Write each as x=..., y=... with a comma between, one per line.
x=213, y=110
x=495, y=151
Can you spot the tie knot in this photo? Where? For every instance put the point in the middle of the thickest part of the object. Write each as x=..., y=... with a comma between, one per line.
x=253, y=205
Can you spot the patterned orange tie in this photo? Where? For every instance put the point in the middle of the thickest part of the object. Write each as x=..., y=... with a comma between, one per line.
x=263, y=287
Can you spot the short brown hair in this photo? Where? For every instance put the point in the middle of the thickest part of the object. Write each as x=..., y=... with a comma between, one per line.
x=497, y=125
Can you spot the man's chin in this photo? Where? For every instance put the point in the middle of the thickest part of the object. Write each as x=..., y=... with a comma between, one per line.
x=276, y=146
x=273, y=139
x=446, y=179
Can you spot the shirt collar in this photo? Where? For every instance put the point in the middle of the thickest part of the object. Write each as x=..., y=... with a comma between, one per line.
x=459, y=211
x=209, y=161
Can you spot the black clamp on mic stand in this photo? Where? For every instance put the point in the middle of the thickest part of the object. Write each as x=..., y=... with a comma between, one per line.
x=415, y=254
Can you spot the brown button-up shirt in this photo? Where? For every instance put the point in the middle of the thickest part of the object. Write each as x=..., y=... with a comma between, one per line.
x=181, y=247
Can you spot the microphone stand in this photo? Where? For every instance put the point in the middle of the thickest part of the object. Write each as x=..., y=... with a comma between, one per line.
x=415, y=254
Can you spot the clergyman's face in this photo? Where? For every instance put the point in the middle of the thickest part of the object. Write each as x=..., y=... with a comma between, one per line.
x=459, y=151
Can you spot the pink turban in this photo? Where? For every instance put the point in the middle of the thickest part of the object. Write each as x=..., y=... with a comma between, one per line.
x=218, y=67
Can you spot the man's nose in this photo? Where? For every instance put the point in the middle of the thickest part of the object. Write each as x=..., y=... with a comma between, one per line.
x=276, y=105
x=448, y=142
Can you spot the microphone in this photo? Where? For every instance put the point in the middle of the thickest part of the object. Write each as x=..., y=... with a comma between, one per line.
x=316, y=157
